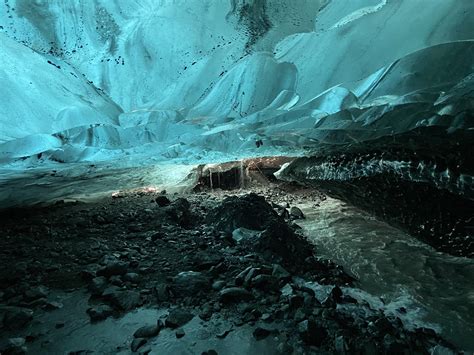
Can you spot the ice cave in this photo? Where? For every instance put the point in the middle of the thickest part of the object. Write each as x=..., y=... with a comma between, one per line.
x=237, y=177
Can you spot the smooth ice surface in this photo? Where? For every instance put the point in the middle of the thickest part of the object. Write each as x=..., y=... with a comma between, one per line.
x=116, y=84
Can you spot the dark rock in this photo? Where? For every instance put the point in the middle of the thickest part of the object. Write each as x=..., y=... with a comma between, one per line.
x=52, y=306
x=116, y=280
x=250, y=211
x=250, y=275
x=97, y=285
x=161, y=292
x=204, y=261
x=340, y=345
x=239, y=279
x=99, y=313
x=383, y=325
x=280, y=273
x=296, y=213
x=137, y=343
x=177, y=318
x=113, y=268
x=179, y=212
x=234, y=294
x=16, y=317
x=13, y=346
x=131, y=277
x=206, y=312
x=190, y=283
x=312, y=333
x=279, y=240
x=148, y=331
x=261, y=333
x=162, y=201
x=218, y=285
x=210, y=352
x=122, y=299
x=336, y=294
x=284, y=213
x=35, y=293
x=180, y=333
x=296, y=301
x=265, y=282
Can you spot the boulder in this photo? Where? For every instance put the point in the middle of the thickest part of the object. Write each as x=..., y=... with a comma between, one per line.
x=162, y=201
x=190, y=283
x=122, y=299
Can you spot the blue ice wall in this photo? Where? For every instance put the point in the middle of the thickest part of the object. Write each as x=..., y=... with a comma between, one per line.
x=126, y=83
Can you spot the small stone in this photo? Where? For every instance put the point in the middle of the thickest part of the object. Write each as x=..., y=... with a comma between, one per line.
x=99, y=313
x=145, y=350
x=234, y=294
x=295, y=212
x=35, y=293
x=113, y=268
x=190, y=283
x=17, y=317
x=14, y=346
x=161, y=292
x=177, y=318
x=261, y=333
x=116, y=280
x=336, y=294
x=51, y=306
x=137, y=343
x=97, y=285
x=180, y=333
x=296, y=301
x=162, y=201
x=131, y=277
x=340, y=345
x=239, y=279
x=147, y=331
x=280, y=273
x=287, y=290
x=60, y=324
x=312, y=333
x=218, y=285
x=265, y=282
x=210, y=352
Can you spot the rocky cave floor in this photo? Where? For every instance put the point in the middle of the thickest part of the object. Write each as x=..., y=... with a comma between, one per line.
x=219, y=260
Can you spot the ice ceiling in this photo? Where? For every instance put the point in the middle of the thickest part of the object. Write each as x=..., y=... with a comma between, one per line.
x=96, y=87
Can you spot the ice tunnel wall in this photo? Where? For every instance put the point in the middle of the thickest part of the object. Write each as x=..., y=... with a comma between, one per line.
x=369, y=89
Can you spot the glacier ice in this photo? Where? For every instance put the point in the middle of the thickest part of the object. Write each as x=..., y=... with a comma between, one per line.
x=114, y=85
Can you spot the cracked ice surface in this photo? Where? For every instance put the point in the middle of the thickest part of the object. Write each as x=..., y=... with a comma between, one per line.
x=110, y=85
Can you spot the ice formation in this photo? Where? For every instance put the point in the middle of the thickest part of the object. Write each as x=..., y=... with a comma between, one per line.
x=112, y=84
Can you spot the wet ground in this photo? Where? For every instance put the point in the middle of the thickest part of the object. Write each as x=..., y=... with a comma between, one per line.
x=203, y=273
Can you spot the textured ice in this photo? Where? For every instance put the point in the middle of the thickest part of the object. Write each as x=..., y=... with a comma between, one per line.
x=117, y=84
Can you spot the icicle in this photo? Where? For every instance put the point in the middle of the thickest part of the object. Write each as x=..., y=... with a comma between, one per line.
x=210, y=179
x=242, y=174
